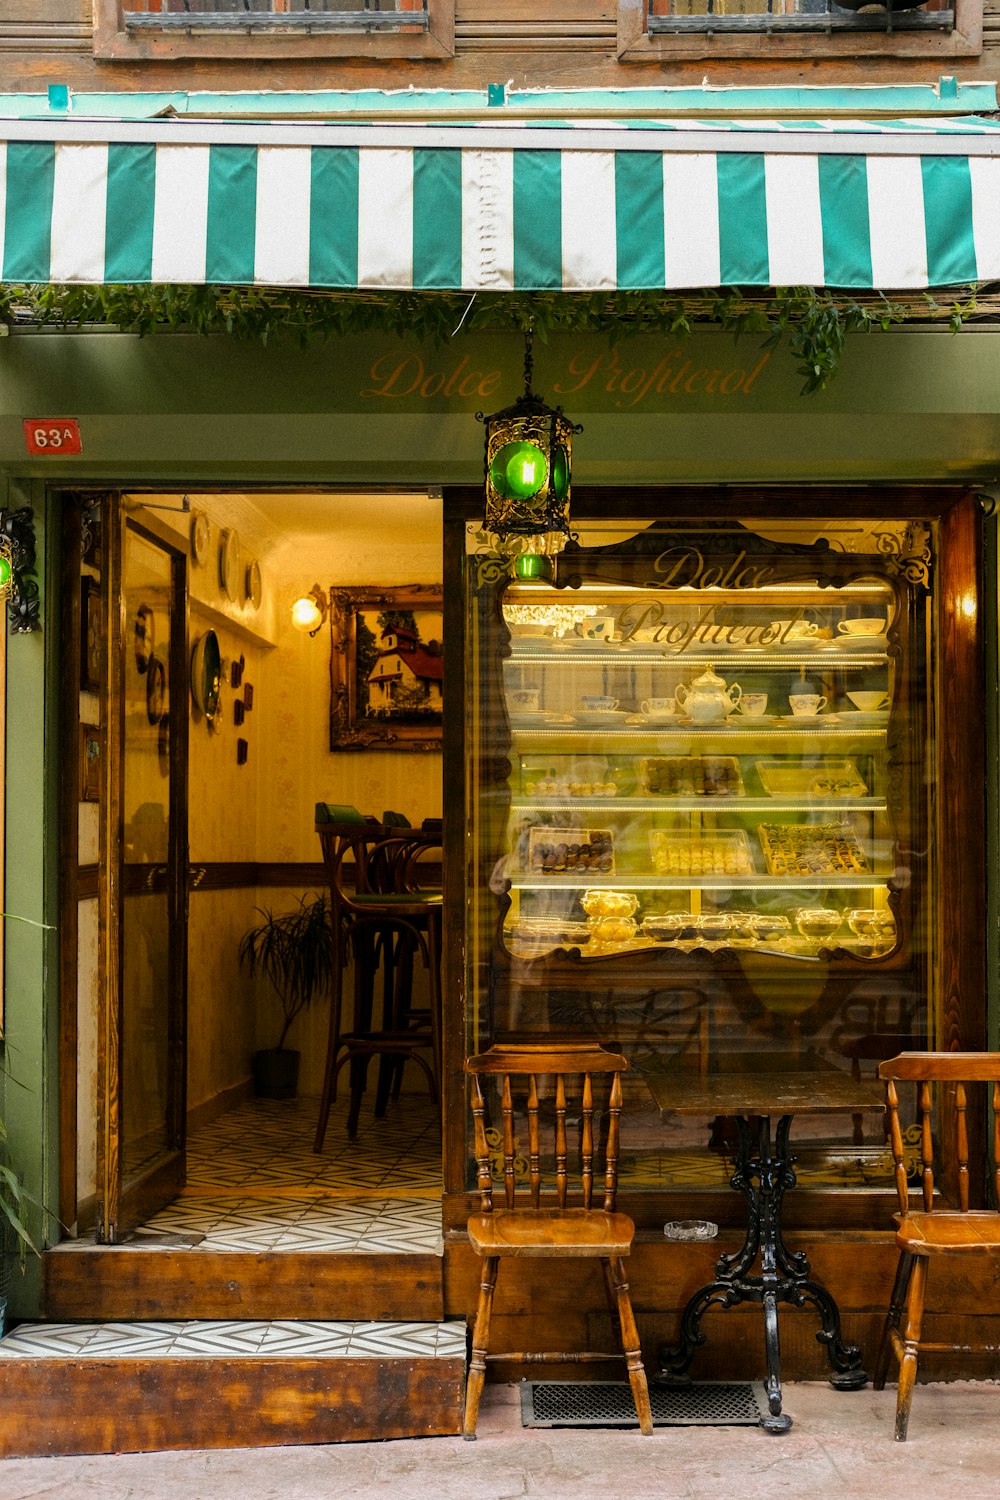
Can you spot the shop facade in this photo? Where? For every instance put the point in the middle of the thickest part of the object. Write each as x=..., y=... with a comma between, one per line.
x=727, y=527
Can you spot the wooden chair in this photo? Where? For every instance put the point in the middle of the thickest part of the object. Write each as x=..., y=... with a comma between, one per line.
x=376, y=927
x=533, y=1225
x=936, y=1227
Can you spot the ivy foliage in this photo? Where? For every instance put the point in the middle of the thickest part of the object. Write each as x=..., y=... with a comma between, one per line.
x=813, y=324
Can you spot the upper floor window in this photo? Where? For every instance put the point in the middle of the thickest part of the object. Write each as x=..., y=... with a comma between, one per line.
x=743, y=28
x=273, y=28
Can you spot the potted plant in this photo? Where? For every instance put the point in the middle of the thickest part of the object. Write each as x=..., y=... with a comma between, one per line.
x=294, y=950
x=15, y=1239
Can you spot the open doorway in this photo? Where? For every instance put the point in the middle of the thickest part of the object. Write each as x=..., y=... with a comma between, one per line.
x=259, y=757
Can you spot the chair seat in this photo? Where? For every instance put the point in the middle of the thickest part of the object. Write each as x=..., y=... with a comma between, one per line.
x=398, y=902
x=551, y=1232
x=949, y=1233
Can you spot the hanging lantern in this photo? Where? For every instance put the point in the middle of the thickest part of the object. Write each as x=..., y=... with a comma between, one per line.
x=528, y=461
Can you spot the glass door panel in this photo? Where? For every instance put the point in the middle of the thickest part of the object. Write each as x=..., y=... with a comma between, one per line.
x=144, y=1098
x=703, y=809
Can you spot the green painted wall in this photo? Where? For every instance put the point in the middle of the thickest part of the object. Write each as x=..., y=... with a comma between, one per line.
x=31, y=990
x=907, y=404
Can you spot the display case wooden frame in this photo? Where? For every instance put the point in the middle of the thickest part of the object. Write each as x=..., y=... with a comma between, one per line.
x=956, y=829
x=113, y=40
x=351, y=728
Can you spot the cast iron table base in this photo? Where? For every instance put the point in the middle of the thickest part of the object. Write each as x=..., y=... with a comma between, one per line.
x=763, y=1176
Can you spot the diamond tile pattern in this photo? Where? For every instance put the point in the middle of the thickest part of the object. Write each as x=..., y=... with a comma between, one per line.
x=234, y=1340
x=255, y=1184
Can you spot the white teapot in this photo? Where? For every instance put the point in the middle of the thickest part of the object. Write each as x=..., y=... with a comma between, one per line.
x=708, y=700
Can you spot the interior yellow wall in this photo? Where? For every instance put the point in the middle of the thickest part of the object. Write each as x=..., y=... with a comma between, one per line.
x=296, y=767
x=264, y=810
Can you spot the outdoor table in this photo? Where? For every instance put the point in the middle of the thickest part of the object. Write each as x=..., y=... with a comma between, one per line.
x=754, y=1088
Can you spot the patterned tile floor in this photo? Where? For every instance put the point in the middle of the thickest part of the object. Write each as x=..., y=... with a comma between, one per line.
x=254, y=1183
x=244, y=1340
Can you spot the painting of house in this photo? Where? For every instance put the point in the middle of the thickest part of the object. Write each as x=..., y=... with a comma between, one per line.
x=405, y=679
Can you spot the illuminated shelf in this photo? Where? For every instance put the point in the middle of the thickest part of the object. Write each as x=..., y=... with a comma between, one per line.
x=642, y=653
x=636, y=883
x=605, y=805
x=659, y=732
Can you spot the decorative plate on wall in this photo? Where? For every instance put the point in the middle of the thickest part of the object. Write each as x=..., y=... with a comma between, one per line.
x=200, y=534
x=156, y=690
x=145, y=637
x=254, y=585
x=206, y=673
x=229, y=564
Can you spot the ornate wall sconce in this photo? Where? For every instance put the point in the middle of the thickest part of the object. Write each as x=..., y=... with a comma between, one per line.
x=310, y=610
x=18, y=585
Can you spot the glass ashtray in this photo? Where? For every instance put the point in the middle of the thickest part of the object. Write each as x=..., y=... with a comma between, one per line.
x=690, y=1229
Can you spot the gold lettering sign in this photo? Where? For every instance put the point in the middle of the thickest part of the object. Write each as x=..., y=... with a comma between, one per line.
x=687, y=568
x=674, y=375
x=411, y=377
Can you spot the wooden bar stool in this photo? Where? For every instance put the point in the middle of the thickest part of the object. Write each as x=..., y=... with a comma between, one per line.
x=537, y=1079
x=376, y=928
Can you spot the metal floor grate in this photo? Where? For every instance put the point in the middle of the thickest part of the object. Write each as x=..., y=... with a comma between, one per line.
x=568, y=1403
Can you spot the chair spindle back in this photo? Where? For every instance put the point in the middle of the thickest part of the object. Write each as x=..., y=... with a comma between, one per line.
x=521, y=1069
x=952, y=1072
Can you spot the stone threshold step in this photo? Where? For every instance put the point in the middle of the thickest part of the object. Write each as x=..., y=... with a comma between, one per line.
x=141, y=1386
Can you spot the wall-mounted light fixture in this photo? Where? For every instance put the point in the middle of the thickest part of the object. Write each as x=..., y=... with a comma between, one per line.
x=528, y=460
x=310, y=610
x=18, y=586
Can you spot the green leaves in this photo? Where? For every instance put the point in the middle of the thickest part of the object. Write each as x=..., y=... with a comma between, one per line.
x=815, y=323
x=295, y=952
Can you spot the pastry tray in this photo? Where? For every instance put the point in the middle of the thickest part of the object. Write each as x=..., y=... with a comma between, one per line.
x=692, y=776
x=568, y=851
x=827, y=778
x=725, y=853
x=549, y=931
x=812, y=849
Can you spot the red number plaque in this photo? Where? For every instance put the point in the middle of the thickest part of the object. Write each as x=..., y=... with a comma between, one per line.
x=52, y=437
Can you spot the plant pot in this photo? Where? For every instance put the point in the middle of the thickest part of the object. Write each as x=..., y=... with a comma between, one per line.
x=275, y=1074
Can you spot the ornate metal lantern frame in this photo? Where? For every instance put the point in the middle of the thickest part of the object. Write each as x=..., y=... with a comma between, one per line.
x=528, y=466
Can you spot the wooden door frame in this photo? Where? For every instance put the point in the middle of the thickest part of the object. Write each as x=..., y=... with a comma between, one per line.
x=121, y=1205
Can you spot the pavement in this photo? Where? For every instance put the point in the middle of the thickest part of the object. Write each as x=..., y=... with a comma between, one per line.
x=840, y=1445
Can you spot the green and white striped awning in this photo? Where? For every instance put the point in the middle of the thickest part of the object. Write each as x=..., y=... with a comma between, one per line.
x=516, y=206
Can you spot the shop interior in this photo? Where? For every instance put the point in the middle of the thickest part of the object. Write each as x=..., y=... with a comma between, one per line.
x=259, y=759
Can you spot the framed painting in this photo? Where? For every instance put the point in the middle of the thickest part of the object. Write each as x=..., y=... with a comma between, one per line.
x=386, y=667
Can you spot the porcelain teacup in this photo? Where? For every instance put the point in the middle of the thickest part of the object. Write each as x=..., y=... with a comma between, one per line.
x=659, y=708
x=794, y=630
x=869, y=703
x=805, y=705
x=598, y=627
x=753, y=705
x=598, y=703
x=524, y=700
x=867, y=626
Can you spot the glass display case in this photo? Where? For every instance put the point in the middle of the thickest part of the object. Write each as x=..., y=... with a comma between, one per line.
x=702, y=802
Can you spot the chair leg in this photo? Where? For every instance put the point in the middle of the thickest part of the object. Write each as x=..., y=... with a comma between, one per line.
x=329, y=1094
x=892, y=1317
x=480, y=1345
x=911, y=1345
x=630, y=1345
